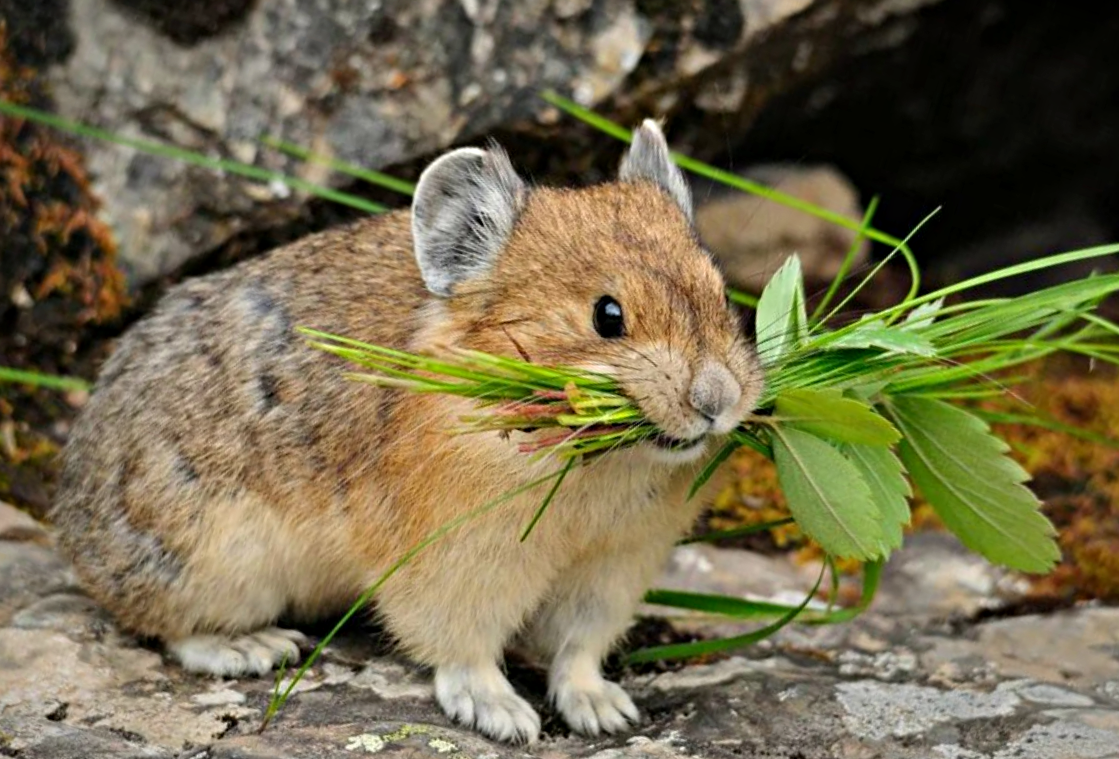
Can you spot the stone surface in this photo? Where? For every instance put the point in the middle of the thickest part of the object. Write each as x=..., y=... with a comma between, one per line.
x=384, y=83
x=752, y=236
x=916, y=677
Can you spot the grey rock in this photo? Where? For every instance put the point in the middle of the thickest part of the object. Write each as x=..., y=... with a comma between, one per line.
x=381, y=83
x=18, y=526
x=752, y=236
x=43, y=739
x=29, y=572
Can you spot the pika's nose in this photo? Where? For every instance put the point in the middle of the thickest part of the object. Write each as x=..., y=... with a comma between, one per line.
x=714, y=390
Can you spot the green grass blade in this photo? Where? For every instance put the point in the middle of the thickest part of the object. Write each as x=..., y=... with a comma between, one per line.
x=848, y=260
x=547, y=499
x=36, y=379
x=726, y=606
x=741, y=298
x=377, y=178
x=1047, y=423
x=165, y=150
x=704, y=647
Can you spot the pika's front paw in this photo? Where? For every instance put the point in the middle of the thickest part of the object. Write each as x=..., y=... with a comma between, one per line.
x=595, y=707
x=254, y=654
x=482, y=698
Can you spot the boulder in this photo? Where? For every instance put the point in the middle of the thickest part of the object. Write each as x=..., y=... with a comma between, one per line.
x=382, y=84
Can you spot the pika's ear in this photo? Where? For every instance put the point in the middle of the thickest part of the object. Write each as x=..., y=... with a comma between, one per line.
x=463, y=212
x=648, y=160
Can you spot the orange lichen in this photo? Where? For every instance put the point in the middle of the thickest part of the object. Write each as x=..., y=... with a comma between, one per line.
x=58, y=266
x=1077, y=478
x=753, y=496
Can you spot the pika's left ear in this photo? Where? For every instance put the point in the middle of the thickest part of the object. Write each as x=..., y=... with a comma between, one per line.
x=648, y=160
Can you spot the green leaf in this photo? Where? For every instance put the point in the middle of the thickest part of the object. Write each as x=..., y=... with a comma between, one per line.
x=781, y=321
x=828, y=414
x=827, y=495
x=923, y=315
x=729, y=606
x=885, y=475
x=867, y=391
x=964, y=472
x=889, y=339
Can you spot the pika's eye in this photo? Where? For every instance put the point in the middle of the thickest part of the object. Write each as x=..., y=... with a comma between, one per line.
x=608, y=320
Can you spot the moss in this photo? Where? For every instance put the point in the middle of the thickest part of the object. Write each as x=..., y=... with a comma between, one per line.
x=1077, y=478
x=58, y=265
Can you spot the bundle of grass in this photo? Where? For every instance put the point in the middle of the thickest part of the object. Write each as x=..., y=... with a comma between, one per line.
x=850, y=415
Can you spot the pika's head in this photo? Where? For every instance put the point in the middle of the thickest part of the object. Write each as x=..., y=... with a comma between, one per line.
x=610, y=278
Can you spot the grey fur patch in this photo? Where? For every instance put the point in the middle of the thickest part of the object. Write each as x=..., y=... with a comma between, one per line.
x=649, y=160
x=271, y=320
x=269, y=392
x=185, y=469
x=145, y=558
x=465, y=206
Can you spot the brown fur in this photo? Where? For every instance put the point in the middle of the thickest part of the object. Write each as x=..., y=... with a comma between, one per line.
x=223, y=472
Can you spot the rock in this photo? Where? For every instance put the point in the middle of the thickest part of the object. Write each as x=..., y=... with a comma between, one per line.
x=380, y=84
x=893, y=683
x=28, y=573
x=752, y=236
x=18, y=526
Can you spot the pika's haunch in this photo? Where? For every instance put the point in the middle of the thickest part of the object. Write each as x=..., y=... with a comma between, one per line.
x=224, y=473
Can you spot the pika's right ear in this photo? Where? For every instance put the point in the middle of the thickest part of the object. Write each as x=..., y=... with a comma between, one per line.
x=649, y=160
x=463, y=212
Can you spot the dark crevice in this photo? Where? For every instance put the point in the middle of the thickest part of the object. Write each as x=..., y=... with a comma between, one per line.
x=190, y=22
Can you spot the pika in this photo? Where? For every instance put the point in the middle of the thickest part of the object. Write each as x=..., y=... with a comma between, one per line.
x=224, y=474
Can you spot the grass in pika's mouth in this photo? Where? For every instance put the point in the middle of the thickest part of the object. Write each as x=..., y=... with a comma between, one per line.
x=849, y=415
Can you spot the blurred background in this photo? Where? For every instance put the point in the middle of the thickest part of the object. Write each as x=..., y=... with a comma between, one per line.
x=1004, y=115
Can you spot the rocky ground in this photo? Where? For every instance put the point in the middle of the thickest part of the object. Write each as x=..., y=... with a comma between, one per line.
x=938, y=668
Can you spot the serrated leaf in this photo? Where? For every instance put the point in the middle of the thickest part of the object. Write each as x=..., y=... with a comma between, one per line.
x=867, y=391
x=924, y=314
x=781, y=320
x=826, y=494
x=885, y=475
x=828, y=414
x=889, y=339
x=975, y=488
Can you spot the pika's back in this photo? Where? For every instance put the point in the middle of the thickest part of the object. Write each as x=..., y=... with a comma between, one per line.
x=215, y=390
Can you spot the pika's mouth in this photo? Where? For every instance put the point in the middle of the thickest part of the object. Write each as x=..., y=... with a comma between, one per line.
x=669, y=443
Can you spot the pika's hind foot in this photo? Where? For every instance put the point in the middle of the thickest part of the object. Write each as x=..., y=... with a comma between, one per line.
x=224, y=656
x=482, y=698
